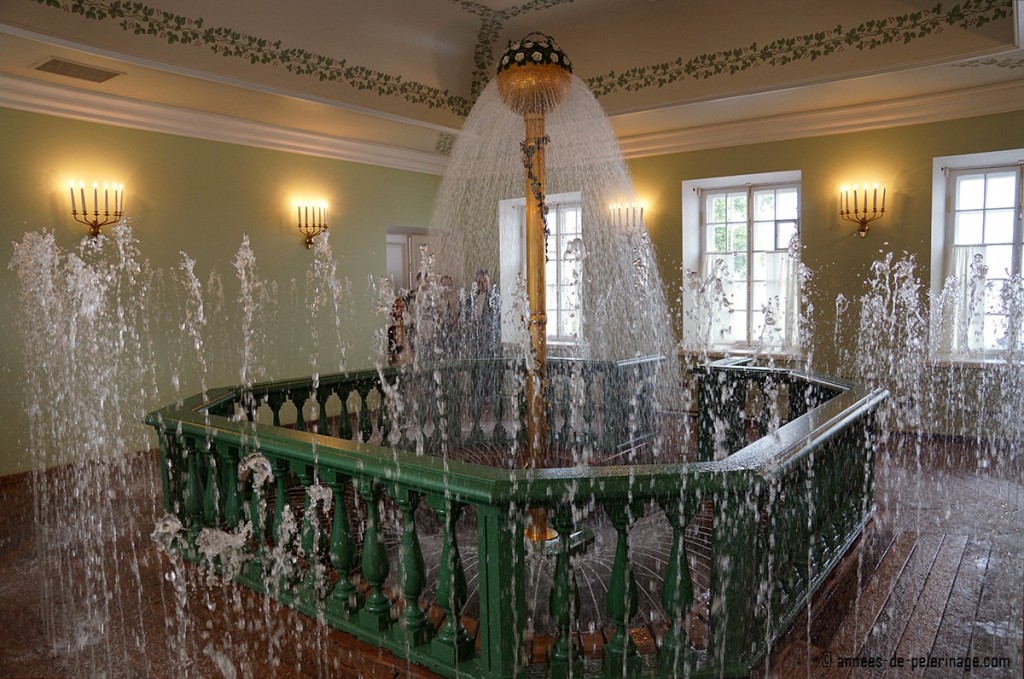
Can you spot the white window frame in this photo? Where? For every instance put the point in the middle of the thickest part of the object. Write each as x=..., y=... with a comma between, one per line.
x=945, y=171
x=512, y=227
x=693, y=249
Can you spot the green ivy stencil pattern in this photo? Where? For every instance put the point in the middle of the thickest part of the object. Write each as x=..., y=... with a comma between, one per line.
x=141, y=19
x=868, y=35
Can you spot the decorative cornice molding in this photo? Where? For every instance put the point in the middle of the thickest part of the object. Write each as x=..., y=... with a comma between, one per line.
x=48, y=99
x=966, y=103
x=38, y=97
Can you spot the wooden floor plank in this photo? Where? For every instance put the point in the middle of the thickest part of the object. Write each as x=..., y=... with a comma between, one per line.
x=892, y=619
x=954, y=636
x=837, y=597
x=923, y=623
x=855, y=627
x=997, y=622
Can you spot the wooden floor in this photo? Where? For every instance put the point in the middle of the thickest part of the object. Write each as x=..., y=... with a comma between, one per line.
x=937, y=578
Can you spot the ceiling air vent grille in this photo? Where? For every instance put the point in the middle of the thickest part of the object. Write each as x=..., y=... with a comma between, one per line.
x=75, y=70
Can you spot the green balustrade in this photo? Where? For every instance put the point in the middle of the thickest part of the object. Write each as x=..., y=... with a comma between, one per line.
x=786, y=508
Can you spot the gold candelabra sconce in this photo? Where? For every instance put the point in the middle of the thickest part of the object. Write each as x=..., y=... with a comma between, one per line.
x=113, y=206
x=865, y=207
x=312, y=221
x=626, y=214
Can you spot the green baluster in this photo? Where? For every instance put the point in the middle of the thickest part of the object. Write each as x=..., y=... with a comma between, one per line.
x=501, y=552
x=566, y=659
x=280, y=497
x=452, y=643
x=193, y=487
x=257, y=515
x=306, y=532
x=211, y=494
x=414, y=628
x=376, y=612
x=309, y=540
x=345, y=598
x=621, y=658
x=677, y=593
x=500, y=434
x=229, y=484
x=276, y=402
x=168, y=453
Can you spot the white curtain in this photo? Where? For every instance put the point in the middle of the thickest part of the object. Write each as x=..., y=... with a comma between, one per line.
x=720, y=303
x=960, y=328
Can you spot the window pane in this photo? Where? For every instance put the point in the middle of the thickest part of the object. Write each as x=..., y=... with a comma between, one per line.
x=717, y=238
x=739, y=267
x=738, y=237
x=995, y=332
x=970, y=192
x=994, y=295
x=759, y=270
x=786, y=204
x=570, y=273
x=1001, y=190
x=570, y=325
x=570, y=220
x=967, y=229
x=786, y=233
x=736, y=293
x=737, y=207
x=764, y=235
x=999, y=259
x=760, y=296
x=716, y=208
x=999, y=226
x=739, y=327
x=764, y=205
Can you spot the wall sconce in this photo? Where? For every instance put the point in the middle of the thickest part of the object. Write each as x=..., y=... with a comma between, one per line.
x=861, y=214
x=626, y=214
x=95, y=219
x=312, y=221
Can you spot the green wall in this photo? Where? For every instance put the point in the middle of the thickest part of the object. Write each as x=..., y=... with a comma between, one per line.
x=199, y=197
x=840, y=260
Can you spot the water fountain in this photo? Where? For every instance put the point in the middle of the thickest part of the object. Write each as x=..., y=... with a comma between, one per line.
x=341, y=495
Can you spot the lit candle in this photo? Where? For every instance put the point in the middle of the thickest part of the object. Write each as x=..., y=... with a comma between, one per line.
x=73, y=209
x=298, y=215
x=883, y=197
x=874, y=199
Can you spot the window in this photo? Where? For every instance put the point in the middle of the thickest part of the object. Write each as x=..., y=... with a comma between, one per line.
x=980, y=300
x=563, y=273
x=743, y=283
x=564, y=270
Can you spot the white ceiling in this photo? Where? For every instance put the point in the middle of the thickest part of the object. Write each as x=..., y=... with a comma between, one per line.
x=390, y=81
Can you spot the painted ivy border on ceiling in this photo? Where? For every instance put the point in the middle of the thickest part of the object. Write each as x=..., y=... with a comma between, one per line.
x=141, y=19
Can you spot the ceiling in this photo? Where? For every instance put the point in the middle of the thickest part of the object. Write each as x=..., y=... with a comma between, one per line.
x=391, y=81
